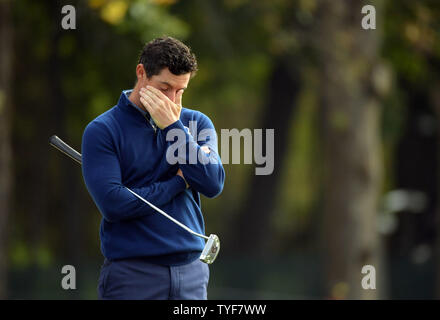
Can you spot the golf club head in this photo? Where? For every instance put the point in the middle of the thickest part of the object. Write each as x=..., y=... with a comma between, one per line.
x=211, y=249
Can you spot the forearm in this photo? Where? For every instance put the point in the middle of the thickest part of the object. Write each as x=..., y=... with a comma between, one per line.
x=202, y=169
x=116, y=203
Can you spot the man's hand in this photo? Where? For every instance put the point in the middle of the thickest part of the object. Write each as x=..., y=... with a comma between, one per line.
x=163, y=111
x=180, y=173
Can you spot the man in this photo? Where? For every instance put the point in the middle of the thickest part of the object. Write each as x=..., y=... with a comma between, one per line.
x=146, y=255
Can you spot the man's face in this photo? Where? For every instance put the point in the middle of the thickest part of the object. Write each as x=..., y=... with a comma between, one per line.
x=168, y=83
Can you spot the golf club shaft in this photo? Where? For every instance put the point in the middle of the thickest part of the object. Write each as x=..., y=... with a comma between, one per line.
x=60, y=145
x=168, y=216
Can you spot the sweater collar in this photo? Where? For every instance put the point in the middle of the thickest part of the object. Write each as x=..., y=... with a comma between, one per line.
x=126, y=96
x=126, y=105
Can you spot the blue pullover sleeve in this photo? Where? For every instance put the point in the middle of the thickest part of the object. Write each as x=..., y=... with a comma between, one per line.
x=102, y=176
x=203, y=171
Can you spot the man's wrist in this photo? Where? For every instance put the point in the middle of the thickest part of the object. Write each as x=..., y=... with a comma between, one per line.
x=175, y=124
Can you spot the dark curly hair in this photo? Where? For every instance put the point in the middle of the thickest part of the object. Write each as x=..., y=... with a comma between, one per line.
x=167, y=52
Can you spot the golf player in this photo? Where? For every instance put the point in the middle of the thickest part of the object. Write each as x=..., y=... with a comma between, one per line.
x=130, y=146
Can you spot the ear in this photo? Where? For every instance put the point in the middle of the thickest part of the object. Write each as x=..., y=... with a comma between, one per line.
x=140, y=72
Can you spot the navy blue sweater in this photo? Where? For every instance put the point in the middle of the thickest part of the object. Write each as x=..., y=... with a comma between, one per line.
x=120, y=148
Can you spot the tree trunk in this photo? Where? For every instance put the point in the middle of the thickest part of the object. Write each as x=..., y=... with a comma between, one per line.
x=353, y=164
x=259, y=203
x=5, y=135
x=69, y=174
x=435, y=101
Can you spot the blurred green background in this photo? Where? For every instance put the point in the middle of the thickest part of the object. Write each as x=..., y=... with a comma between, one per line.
x=355, y=112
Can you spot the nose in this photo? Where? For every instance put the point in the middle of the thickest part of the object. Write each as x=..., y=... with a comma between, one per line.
x=172, y=96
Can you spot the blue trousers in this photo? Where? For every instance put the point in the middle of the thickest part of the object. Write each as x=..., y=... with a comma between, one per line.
x=135, y=279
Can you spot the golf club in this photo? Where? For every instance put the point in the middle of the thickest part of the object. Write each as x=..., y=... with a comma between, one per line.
x=212, y=246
